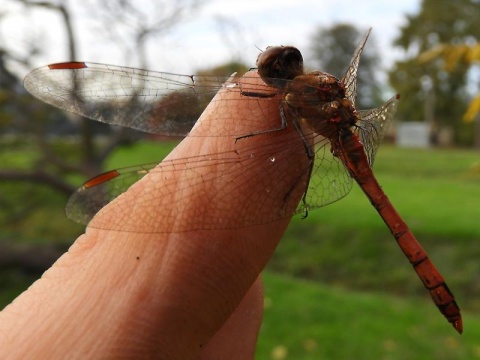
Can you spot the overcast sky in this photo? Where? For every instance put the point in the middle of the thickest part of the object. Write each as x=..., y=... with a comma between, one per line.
x=201, y=41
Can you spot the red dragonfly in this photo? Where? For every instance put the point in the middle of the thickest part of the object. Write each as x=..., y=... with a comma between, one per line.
x=339, y=141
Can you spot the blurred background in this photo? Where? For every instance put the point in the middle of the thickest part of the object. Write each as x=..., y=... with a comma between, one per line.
x=338, y=286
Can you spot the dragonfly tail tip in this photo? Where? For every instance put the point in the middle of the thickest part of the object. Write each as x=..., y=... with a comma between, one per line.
x=458, y=325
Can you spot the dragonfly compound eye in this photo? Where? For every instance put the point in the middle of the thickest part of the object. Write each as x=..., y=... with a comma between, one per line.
x=279, y=63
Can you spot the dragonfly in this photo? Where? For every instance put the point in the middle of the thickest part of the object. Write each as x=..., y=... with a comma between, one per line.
x=339, y=141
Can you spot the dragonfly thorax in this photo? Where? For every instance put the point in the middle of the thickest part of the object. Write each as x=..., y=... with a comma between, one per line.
x=319, y=98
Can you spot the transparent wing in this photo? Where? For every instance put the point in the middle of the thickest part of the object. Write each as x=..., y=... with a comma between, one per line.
x=329, y=181
x=97, y=192
x=154, y=102
x=349, y=80
x=183, y=175
x=373, y=124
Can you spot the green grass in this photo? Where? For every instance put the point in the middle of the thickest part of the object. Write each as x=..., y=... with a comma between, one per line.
x=304, y=320
x=347, y=244
x=338, y=287
x=140, y=153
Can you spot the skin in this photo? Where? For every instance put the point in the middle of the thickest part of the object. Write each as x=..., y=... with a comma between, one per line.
x=143, y=282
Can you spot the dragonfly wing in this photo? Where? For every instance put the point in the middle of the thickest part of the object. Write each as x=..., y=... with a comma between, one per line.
x=329, y=181
x=149, y=101
x=97, y=192
x=349, y=80
x=373, y=124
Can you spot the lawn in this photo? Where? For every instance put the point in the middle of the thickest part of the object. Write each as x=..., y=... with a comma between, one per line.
x=347, y=244
x=338, y=286
x=361, y=298
x=306, y=320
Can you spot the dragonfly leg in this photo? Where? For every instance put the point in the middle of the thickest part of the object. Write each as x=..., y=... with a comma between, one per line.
x=309, y=151
x=307, y=184
x=282, y=126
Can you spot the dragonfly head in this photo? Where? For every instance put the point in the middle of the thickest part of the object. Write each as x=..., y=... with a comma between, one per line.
x=279, y=63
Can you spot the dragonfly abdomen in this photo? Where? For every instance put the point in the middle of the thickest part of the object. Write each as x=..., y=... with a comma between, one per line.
x=355, y=160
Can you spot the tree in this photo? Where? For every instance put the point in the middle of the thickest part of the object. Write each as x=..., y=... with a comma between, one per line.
x=453, y=56
x=332, y=49
x=428, y=91
x=53, y=164
x=126, y=19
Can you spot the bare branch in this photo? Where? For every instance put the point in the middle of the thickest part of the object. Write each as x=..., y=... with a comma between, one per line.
x=38, y=176
x=34, y=259
x=141, y=24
